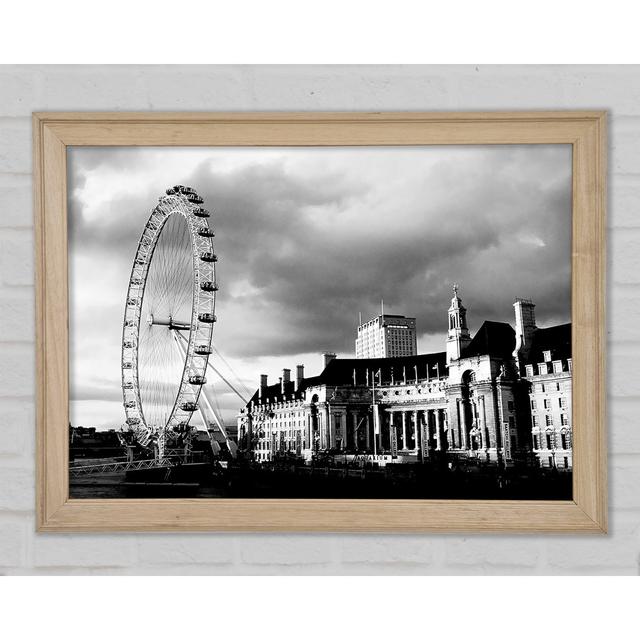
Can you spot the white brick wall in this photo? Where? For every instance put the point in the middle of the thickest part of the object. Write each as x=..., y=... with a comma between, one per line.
x=24, y=89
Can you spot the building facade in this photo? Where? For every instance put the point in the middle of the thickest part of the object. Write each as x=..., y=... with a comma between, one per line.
x=501, y=396
x=387, y=336
x=548, y=374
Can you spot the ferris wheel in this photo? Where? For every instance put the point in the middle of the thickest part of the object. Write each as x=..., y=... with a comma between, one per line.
x=169, y=318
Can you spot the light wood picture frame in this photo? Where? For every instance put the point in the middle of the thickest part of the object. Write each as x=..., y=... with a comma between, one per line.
x=584, y=130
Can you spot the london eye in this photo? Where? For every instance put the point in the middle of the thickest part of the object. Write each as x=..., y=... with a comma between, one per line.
x=169, y=319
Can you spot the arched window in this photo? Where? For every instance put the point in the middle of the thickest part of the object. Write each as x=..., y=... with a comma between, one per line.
x=468, y=377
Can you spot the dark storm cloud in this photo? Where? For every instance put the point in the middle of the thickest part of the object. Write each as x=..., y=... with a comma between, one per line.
x=311, y=271
x=301, y=253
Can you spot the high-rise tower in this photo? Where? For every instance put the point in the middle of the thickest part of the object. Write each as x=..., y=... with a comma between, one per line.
x=387, y=336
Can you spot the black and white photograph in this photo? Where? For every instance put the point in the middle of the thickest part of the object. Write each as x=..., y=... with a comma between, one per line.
x=320, y=322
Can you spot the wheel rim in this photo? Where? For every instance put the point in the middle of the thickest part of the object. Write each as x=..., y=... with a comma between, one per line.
x=162, y=373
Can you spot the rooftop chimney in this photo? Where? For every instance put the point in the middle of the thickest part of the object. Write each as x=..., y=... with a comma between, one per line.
x=525, y=328
x=299, y=376
x=286, y=377
x=263, y=385
x=328, y=357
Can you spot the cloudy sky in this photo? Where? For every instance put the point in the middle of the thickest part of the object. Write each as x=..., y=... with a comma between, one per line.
x=309, y=238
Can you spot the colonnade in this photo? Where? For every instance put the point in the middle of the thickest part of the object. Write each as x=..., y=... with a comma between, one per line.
x=410, y=425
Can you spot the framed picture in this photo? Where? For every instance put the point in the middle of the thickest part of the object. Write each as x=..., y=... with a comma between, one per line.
x=321, y=322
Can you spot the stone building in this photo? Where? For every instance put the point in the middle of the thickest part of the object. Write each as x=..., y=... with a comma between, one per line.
x=548, y=374
x=500, y=396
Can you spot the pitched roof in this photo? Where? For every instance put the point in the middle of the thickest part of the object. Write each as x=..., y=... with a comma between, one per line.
x=497, y=339
x=556, y=339
x=340, y=372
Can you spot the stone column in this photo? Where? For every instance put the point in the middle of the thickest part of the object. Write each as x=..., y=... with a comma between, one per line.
x=463, y=425
x=454, y=423
x=416, y=437
x=367, y=432
x=344, y=429
x=404, y=429
x=438, y=430
x=322, y=428
x=354, y=427
x=446, y=430
x=404, y=433
x=392, y=426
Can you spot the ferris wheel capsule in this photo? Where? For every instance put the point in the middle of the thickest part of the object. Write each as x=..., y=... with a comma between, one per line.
x=203, y=350
x=208, y=256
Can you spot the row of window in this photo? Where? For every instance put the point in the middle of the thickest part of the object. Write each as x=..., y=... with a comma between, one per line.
x=549, y=441
x=547, y=387
x=545, y=368
x=288, y=444
x=548, y=420
x=562, y=403
x=287, y=424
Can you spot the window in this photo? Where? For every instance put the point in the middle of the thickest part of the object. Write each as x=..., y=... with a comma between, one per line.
x=536, y=443
x=528, y=370
x=562, y=402
x=510, y=405
x=547, y=403
x=549, y=441
x=564, y=420
x=569, y=364
x=536, y=421
x=564, y=441
x=566, y=463
x=547, y=356
x=557, y=366
x=542, y=368
x=548, y=420
x=512, y=421
x=533, y=405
